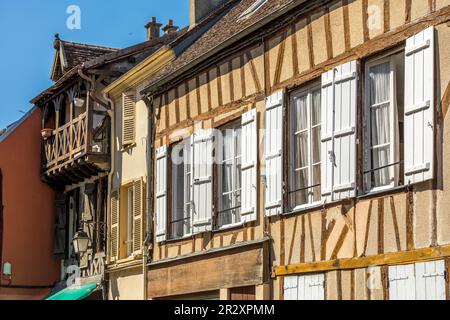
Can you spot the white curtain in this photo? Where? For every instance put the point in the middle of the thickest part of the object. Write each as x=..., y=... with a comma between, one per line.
x=382, y=108
x=301, y=152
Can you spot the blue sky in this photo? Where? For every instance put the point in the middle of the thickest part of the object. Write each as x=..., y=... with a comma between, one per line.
x=27, y=29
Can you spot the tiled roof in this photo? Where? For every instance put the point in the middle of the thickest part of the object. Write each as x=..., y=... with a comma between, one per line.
x=229, y=25
x=77, y=53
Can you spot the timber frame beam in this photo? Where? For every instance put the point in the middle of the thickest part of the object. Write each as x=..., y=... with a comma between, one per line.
x=405, y=257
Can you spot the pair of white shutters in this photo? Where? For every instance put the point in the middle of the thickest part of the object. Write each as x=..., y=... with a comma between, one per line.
x=202, y=161
x=339, y=98
x=308, y=287
x=420, y=281
x=338, y=149
x=138, y=227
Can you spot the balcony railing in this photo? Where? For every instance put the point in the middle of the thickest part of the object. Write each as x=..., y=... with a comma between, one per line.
x=67, y=142
x=77, y=140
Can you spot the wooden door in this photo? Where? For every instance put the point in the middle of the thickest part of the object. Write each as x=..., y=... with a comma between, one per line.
x=243, y=293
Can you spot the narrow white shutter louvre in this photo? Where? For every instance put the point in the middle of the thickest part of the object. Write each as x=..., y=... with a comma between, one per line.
x=114, y=242
x=274, y=154
x=249, y=182
x=291, y=288
x=128, y=118
x=161, y=194
x=339, y=99
x=402, y=284
x=419, y=107
x=202, y=164
x=138, y=212
x=430, y=280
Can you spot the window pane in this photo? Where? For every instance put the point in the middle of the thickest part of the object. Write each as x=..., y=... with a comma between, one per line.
x=315, y=113
x=227, y=172
x=224, y=218
x=317, y=192
x=315, y=144
x=301, y=115
x=380, y=125
x=301, y=152
x=380, y=158
x=299, y=196
x=380, y=77
x=227, y=144
x=238, y=134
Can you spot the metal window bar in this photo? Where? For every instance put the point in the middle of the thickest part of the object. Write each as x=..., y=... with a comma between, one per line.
x=219, y=216
x=383, y=167
x=175, y=223
x=305, y=188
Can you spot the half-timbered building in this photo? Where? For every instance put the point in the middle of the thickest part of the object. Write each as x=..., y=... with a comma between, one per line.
x=300, y=153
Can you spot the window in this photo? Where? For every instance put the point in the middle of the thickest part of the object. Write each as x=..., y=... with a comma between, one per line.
x=252, y=9
x=130, y=218
x=180, y=222
x=383, y=122
x=309, y=287
x=305, y=141
x=229, y=175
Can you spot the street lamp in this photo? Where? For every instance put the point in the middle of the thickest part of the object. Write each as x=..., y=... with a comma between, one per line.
x=78, y=102
x=80, y=242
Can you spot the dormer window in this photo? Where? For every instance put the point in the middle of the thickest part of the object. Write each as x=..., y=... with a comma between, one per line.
x=252, y=9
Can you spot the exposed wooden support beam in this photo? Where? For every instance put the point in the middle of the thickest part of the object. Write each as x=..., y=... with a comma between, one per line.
x=404, y=257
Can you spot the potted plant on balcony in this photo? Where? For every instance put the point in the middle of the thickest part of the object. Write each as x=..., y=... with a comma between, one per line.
x=46, y=133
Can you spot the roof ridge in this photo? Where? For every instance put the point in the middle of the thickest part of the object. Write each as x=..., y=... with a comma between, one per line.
x=88, y=45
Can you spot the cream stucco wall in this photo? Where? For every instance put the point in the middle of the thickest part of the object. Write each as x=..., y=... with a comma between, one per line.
x=126, y=285
x=131, y=163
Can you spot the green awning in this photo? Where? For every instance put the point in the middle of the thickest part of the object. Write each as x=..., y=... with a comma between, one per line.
x=74, y=292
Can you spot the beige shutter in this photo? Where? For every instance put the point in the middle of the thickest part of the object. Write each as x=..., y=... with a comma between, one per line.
x=114, y=249
x=128, y=118
x=138, y=212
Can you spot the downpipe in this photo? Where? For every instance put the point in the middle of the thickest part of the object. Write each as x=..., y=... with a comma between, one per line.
x=148, y=245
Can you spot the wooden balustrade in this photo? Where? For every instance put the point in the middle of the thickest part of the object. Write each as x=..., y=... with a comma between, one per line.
x=67, y=142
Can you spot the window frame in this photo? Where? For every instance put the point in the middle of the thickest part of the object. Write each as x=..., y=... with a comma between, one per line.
x=234, y=125
x=187, y=186
x=394, y=152
x=300, y=92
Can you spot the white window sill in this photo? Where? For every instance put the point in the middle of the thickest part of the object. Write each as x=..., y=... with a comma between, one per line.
x=381, y=190
x=230, y=226
x=305, y=207
x=187, y=236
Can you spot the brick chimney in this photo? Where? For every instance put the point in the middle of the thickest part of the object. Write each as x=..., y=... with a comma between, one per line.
x=153, y=29
x=169, y=27
x=199, y=9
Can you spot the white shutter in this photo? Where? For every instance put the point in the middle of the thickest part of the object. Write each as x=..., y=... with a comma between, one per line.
x=274, y=154
x=309, y=287
x=161, y=194
x=138, y=214
x=128, y=118
x=291, y=288
x=114, y=225
x=430, y=280
x=402, y=284
x=202, y=164
x=339, y=100
x=419, y=107
x=249, y=181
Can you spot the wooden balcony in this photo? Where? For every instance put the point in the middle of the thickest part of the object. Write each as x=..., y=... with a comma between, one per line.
x=76, y=151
